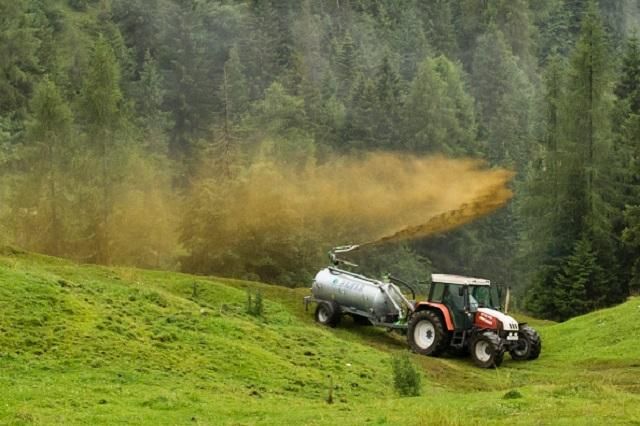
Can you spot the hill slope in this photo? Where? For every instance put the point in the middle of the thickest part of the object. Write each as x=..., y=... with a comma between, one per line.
x=87, y=344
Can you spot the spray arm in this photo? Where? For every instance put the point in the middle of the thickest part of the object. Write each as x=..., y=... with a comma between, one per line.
x=342, y=249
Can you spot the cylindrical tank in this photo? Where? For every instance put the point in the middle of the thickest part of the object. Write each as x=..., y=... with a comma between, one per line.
x=356, y=292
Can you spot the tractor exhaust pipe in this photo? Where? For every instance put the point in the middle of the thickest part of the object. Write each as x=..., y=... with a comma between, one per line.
x=506, y=300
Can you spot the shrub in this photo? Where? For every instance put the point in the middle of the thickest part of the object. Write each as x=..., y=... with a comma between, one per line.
x=512, y=394
x=406, y=378
x=79, y=5
x=255, y=305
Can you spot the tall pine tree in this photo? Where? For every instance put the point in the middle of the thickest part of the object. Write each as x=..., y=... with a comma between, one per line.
x=40, y=201
x=104, y=124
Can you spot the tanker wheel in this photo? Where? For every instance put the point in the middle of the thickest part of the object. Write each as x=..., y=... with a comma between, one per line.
x=426, y=334
x=487, y=350
x=328, y=313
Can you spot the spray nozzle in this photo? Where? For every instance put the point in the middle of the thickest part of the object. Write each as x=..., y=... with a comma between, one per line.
x=342, y=249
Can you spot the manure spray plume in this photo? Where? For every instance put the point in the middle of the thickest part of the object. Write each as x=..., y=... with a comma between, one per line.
x=380, y=197
x=494, y=198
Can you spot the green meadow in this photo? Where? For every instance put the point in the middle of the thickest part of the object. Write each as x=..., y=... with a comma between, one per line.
x=94, y=345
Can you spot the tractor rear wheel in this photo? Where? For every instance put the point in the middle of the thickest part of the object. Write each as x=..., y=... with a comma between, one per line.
x=328, y=313
x=528, y=345
x=426, y=334
x=487, y=350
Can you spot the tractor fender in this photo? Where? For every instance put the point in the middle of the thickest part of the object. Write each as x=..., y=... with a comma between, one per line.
x=440, y=308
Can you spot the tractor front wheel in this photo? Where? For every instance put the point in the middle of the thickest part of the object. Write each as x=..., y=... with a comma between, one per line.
x=529, y=344
x=524, y=348
x=487, y=350
x=426, y=334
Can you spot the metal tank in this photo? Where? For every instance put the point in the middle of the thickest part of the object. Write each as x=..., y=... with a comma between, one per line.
x=381, y=302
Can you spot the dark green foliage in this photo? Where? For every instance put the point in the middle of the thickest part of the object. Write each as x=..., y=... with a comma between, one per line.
x=234, y=90
x=103, y=119
x=127, y=125
x=46, y=190
x=79, y=5
x=627, y=126
x=577, y=243
x=543, y=236
x=631, y=238
x=255, y=305
x=512, y=394
x=439, y=115
x=19, y=67
x=578, y=286
x=503, y=95
x=628, y=87
x=407, y=380
x=438, y=21
x=402, y=262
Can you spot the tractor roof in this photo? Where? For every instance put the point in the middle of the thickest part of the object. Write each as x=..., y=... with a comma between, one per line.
x=457, y=279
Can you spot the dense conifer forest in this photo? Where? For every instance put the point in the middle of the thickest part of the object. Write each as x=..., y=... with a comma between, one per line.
x=161, y=134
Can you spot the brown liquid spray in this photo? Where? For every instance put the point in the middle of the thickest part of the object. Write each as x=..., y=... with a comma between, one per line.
x=379, y=198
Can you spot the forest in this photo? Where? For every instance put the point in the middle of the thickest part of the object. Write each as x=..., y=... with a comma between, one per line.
x=189, y=135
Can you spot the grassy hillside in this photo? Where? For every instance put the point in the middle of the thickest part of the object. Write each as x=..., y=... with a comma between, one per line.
x=94, y=345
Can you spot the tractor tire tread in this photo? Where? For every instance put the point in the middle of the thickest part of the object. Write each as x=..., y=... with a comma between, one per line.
x=334, y=314
x=498, y=349
x=534, y=340
x=442, y=337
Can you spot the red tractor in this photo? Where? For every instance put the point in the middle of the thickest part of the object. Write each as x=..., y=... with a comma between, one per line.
x=463, y=314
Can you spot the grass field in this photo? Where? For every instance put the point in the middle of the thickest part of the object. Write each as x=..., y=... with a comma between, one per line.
x=94, y=345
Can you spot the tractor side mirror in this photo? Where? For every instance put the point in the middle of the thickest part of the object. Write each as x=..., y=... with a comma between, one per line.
x=461, y=291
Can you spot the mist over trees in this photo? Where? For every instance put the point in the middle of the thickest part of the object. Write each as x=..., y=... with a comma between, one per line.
x=126, y=126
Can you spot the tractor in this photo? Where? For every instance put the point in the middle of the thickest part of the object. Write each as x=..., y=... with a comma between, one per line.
x=463, y=314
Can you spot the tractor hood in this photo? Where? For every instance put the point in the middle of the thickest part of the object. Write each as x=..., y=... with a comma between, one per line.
x=508, y=323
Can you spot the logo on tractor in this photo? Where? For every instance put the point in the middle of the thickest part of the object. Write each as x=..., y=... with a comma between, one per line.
x=486, y=319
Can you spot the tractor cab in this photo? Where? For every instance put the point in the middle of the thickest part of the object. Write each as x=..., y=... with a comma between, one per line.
x=463, y=296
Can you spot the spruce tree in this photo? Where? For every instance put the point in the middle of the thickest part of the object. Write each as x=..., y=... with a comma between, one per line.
x=437, y=17
x=18, y=50
x=583, y=226
x=631, y=238
x=234, y=90
x=541, y=234
x=44, y=188
x=627, y=124
x=103, y=118
x=627, y=162
x=360, y=128
x=234, y=94
x=578, y=288
x=190, y=83
x=503, y=95
x=438, y=113
x=590, y=138
x=388, y=105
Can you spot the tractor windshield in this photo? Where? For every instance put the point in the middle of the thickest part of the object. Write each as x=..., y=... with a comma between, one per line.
x=486, y=297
